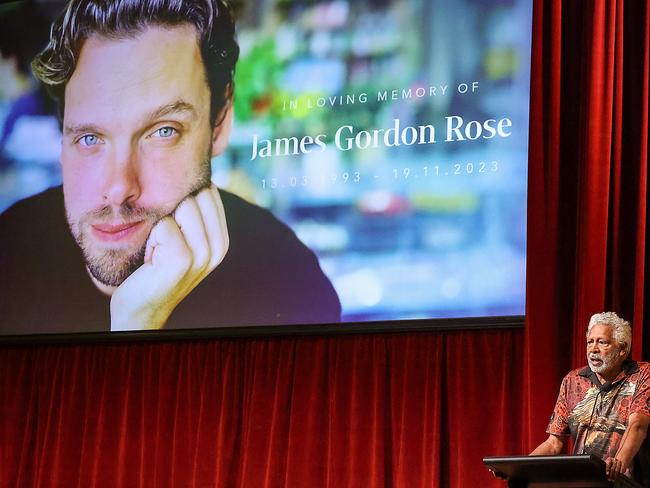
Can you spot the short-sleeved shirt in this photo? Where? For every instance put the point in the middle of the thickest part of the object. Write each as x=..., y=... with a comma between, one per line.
x=596, y=415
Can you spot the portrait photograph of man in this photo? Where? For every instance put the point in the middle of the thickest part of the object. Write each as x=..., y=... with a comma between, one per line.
x=203, y=164
x=138, y=236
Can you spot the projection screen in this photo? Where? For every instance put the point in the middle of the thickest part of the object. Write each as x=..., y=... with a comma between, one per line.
x=366, y=163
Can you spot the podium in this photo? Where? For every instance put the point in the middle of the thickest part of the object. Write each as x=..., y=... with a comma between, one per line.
x=583, y=471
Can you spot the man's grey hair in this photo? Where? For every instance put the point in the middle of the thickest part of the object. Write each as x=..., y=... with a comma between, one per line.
x=622, y=331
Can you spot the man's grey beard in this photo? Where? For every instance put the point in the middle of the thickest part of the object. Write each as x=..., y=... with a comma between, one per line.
x=607, y=361
x=112, y=266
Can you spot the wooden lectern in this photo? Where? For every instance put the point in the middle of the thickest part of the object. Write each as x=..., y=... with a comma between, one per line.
x=584, y=471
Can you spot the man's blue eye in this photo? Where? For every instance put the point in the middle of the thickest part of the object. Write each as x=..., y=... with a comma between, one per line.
x=166, y=131
x=89, y=140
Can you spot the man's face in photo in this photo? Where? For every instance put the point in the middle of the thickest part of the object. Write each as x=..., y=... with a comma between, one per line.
x=137, y=140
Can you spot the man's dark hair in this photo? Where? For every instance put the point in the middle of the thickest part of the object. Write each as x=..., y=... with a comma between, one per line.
x=121, y=19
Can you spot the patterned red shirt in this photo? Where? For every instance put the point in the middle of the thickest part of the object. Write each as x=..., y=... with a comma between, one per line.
x=595, y=415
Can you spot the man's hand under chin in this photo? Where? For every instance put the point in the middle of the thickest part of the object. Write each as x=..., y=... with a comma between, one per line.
x=182, y=249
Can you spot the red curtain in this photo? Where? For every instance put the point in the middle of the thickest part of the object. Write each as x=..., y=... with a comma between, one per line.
x=413, y=409
x=587, y=186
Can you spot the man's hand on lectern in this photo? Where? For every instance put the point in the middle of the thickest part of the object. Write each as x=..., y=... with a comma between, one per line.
x=614, y=467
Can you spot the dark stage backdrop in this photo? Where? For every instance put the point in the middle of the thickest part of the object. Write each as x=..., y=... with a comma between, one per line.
x=414, y=409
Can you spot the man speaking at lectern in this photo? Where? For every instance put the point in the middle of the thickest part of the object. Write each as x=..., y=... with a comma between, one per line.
x=139, y=237
x=605, y=406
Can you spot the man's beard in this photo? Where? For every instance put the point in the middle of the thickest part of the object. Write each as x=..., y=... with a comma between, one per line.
x=112, y=266
x=608, y=360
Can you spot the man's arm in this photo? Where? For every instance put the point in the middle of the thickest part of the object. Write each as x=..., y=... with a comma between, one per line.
x=634, y=436
x=553, y=445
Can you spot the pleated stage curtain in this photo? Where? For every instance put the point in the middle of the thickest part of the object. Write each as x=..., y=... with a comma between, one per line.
x=413, y=410
x=404, y=410
x=587, y=192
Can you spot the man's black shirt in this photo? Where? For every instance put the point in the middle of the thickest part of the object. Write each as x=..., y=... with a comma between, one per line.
x=268, y=276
